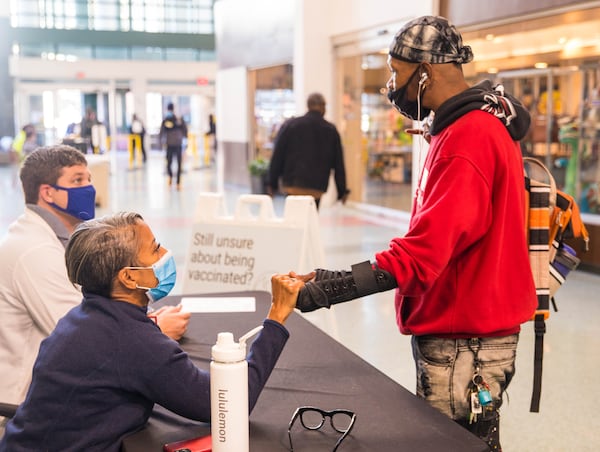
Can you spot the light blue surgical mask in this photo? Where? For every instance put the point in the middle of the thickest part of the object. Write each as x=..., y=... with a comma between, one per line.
x=81, y=201
x=165, y=271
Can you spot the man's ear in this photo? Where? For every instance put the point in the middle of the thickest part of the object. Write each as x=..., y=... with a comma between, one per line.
x=46, y=193
x=425, y=74
x=126, y=278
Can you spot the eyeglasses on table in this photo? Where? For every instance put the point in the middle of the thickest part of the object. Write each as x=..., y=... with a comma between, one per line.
x=313, y=418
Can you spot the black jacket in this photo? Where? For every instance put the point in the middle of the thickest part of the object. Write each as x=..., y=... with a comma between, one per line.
x=306, y=149
x=173, y=130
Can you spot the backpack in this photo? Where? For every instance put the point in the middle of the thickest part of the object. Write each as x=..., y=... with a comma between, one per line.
x=137, y=127
x=552, y=216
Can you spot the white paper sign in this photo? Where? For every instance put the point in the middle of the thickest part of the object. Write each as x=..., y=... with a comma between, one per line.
x=228, y=257
x=242, y=252
x=218, y=304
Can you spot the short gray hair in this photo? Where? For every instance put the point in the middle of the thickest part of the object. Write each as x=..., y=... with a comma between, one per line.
x=99, y=248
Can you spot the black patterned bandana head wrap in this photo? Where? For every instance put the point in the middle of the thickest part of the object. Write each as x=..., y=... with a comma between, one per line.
x=430, y=39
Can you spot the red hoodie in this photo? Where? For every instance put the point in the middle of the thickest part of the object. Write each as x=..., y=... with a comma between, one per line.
x=463, y=267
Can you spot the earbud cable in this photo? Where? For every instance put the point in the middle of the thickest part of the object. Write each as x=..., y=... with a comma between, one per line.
x=422, y=135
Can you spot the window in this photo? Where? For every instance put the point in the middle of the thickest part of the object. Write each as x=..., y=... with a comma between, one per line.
x=150, y=16
x=154, y=16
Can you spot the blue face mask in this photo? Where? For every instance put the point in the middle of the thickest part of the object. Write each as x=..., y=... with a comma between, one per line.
x=81, y=203
x=165, y=271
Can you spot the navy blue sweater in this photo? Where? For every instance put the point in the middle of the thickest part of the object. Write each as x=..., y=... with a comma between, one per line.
x=98, y=375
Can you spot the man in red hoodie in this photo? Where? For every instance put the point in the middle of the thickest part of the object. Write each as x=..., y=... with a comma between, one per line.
x=462, y=272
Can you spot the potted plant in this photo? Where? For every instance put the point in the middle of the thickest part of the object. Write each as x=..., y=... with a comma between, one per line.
x=259, y=169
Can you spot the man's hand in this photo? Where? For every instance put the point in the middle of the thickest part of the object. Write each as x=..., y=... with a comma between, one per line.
x=424, y=132
x=304, y=278
x=172, y=321
x=344, y=197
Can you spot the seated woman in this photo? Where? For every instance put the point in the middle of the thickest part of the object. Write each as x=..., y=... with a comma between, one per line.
x=99, y=374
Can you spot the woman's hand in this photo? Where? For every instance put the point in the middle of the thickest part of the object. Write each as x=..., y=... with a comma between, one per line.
x=172, y=321
x=285, y=290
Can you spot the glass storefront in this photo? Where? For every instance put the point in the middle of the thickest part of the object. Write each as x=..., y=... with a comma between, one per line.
x=378, y=152
x=587, y=178
x=553, y=66
x=389, y=162
x=564, y=103
x=272, y=107
x=272, y=97
x=564, y=106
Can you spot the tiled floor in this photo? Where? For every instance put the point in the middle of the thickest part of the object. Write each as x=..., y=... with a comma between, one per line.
x=351, y=234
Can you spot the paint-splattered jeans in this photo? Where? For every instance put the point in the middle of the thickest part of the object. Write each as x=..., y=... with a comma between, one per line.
x=445, y=370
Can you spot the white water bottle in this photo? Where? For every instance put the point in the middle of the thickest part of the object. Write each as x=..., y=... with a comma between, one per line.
x=229, y=394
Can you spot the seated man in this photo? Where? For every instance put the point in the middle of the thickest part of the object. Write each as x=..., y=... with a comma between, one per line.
x=34, y=288
x=100, y=372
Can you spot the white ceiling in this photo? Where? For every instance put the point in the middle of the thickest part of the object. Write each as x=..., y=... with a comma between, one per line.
x=568, y=39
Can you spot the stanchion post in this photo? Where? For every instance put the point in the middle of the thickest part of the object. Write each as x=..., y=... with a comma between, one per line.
x=192, y=147
x=130, y=148
x=207, y=147
x=137, y=140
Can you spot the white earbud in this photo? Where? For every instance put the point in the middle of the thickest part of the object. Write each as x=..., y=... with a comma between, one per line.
x=423, y=78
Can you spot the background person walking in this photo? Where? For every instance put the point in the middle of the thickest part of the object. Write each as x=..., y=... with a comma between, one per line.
x=137, y=128
x=306, y=150
x=173, y=130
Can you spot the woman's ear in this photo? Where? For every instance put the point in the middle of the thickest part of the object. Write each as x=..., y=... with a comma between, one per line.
x=127, y=279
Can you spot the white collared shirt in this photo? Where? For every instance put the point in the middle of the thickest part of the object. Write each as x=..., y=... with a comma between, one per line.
x=35, y=293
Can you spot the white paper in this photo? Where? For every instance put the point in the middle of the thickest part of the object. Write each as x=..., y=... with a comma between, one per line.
x=218, y=304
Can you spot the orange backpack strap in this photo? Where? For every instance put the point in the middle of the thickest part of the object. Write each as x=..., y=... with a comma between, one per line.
x=579, y=229
x=540, y=197
x=538, y=241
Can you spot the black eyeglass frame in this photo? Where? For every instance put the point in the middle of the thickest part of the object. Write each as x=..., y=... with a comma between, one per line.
x=303, y=409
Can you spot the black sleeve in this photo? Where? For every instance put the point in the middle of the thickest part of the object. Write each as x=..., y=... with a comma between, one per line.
x=263, y=356
x=339, y=167
x=278, y=157
x=184, y=128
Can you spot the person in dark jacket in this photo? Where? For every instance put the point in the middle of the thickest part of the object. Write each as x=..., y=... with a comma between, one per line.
x=99, y=374
x=87, y=124
x=306, y=150
x=173, y=130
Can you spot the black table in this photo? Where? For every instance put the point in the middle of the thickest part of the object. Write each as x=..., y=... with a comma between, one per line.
x=313, y=369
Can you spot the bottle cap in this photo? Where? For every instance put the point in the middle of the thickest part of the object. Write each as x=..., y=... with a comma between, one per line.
x=226, y=350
